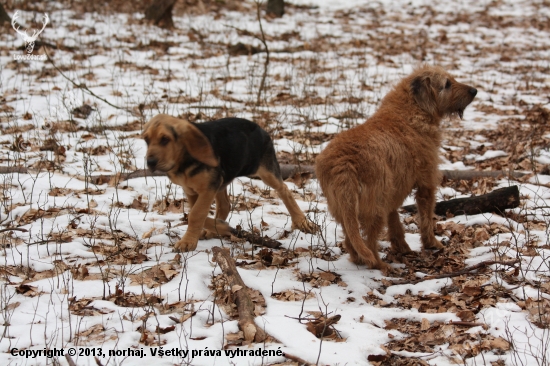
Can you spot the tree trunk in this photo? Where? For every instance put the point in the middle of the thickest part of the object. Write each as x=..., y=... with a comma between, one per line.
x=497, y=201
x=160, y=12
x=4, y=17
x=276, y=8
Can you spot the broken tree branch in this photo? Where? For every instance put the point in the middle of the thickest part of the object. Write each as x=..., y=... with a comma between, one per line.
x=300, y=361
x=467, y=324
x=457, y=273
x=289, y=170
x=496, y=201
x=255, y=238
x=245, y=306
x=14, y=229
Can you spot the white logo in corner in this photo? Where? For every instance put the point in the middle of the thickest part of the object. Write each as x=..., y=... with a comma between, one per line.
x=29, y=40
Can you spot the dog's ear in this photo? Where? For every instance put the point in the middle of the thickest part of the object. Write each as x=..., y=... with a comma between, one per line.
x=424, y=94
x=196, y=143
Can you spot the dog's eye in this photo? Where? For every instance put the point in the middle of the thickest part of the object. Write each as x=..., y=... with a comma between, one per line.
x=164, y=140
x=448, y=84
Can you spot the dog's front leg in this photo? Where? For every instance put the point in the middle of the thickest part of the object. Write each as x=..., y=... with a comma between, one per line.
x=425, y=201
x=197, y=216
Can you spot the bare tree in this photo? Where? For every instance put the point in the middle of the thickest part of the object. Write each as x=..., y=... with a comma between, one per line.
x=160, y=12
x=4, y=17
x=276, y=7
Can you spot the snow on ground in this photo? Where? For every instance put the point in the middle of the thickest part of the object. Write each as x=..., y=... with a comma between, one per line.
x=92, y=264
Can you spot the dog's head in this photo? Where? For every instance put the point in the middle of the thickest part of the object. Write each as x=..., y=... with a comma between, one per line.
x=438, y=93
x=169, y=139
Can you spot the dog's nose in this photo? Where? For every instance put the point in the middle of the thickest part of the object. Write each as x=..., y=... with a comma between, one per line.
x=152, y=163
x=472, y=91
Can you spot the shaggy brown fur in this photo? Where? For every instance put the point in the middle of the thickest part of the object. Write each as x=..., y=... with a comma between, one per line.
x=204, y=158
x=368, y=171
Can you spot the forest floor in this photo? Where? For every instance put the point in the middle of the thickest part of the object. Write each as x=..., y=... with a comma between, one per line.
x=89, y=263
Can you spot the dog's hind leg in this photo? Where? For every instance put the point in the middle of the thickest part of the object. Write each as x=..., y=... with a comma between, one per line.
x=348, y=216
x=425, y=201
x=222, y=204
x=397, y=234
x=353, y=256
x=373, y=228
x=274, y=180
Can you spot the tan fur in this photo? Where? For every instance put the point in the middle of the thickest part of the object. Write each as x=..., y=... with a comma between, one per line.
x=163, y=146
x=368, y=171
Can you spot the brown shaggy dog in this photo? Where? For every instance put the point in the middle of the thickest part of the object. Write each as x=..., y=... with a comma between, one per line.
x=368, y=171
x=204, y=158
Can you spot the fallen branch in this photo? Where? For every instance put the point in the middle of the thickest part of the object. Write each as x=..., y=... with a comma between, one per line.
x=115, y=179
x=289, y=170
x=496, y=201
x=467, y=324
x=457, y=273
x=296, y=359
x=474, y=174
x=69, y=360
x=14, y=229
x=255, y=238
x=13, y=169
x=245, y=306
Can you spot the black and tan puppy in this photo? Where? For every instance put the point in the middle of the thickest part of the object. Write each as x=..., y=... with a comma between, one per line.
x=204, y=158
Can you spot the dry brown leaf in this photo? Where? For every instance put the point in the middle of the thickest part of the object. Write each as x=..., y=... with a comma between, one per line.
x=236, y=288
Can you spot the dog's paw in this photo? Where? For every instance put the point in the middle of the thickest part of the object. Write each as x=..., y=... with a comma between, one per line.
x=185, y=245
x=385, y=268
x=400, y=247
x=434, y=245
x=207, y=234
x=306, y=226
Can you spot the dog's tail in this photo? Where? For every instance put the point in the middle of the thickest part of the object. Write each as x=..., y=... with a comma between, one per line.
x=349, y=197
x=342, y=188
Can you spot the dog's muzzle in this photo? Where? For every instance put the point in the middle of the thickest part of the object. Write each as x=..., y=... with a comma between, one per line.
x=152, y=163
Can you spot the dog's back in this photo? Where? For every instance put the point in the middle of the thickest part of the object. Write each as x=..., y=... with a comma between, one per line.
x=239, y=144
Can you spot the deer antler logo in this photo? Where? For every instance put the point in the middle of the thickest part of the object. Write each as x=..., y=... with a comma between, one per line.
x=29, y=40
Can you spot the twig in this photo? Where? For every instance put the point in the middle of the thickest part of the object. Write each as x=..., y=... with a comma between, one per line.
x=458, y=273
x=85, y=88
